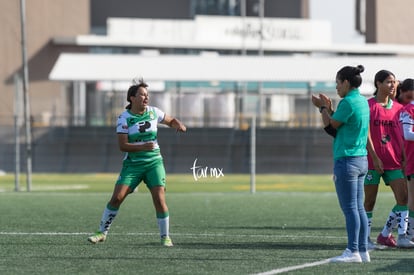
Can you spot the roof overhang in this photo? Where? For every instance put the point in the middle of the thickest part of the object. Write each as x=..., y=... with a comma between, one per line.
x=356, y=49
x=97, y=67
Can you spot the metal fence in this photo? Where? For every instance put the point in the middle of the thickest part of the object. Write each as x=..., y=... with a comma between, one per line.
x=94, y=149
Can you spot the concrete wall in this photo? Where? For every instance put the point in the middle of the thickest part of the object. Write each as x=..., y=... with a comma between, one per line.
x=389, y=21
x=45, y=19
x=95, y=149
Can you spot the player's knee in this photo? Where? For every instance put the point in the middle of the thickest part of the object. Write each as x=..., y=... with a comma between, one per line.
x=117, y=200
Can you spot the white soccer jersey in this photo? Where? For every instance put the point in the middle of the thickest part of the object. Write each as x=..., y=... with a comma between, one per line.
x=141, y=129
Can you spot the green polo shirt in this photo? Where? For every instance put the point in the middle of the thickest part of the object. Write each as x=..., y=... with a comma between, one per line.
x=351, y=137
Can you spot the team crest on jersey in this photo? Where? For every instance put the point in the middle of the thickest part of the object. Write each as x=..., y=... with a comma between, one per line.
x=385, y=138
x=151, y=114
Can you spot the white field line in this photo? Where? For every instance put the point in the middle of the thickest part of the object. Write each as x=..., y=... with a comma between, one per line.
x=296, y=267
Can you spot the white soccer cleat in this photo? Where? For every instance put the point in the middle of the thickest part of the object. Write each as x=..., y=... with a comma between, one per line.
x=347, y=257
x=166, y=241
x=97, y=237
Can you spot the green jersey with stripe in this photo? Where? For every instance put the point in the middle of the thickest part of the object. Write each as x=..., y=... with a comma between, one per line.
x=141, y=129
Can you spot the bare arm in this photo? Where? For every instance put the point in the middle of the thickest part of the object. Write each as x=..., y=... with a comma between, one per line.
x=378, y=165
x=174, y=123
x=126, y=146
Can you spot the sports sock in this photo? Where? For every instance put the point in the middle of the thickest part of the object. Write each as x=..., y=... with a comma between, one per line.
x=163, y=221
x=410, y=225
x=389, y=224
x=402, y=224
x=369, y=216
x=401, y=212
x=108, y=217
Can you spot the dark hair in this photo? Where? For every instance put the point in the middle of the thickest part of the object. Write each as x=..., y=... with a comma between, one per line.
x=407, y=85
x=380, y=76
x=133, y=89
x=352, y=74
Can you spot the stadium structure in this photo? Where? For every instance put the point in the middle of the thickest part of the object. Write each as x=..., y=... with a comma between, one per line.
x=214, y=64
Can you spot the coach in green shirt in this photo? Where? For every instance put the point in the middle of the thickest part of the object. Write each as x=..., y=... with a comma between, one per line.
x=349, y=125
x=353, y=114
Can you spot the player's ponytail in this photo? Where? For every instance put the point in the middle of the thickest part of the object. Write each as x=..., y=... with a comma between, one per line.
x=352, y=74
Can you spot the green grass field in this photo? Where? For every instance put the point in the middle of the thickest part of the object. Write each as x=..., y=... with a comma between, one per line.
x=176, y=183
x=217, y=226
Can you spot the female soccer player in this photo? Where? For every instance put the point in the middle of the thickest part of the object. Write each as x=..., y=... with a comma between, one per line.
x=405, y=91
x=137, y=137
x=385, y=160
x=407, y=121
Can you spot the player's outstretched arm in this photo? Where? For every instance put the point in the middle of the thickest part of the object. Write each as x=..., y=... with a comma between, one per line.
x=174, y=123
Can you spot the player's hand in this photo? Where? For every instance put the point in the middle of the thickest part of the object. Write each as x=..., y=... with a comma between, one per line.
x=378, y=165
x=317, y=101
x=326, y=101
x=148, y=146
x=181, y=128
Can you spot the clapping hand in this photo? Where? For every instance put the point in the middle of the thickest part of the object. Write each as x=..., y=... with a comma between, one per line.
x=322, y=100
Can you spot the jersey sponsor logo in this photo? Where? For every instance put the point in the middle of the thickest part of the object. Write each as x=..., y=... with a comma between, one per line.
x=143, y=126
x=385, y=139
x=386, y=123
x=151, y=115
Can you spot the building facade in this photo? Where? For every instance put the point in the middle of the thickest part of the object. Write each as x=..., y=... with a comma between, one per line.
x=58, y=26
x=388, y=22
x=45, y=19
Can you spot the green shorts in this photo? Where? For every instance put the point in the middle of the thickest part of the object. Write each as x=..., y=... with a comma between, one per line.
x=373, y=177
x=153, y=174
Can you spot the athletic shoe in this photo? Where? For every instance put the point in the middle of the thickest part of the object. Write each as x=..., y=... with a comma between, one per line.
x=166, y=241
x=347, y=257
x=97, y=237
x=404, y=242
x=365, y=257
x=371, y=245
x=410, y=236
x=387, y=241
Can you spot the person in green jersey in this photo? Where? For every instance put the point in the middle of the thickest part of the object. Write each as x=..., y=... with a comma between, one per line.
x=349, y=125
x=137, y=137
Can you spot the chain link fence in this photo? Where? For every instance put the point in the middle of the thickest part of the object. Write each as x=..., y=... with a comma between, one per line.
x=86, y=149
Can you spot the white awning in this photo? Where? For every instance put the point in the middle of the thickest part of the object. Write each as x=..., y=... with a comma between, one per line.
x=125, y=67
x=298, y=47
